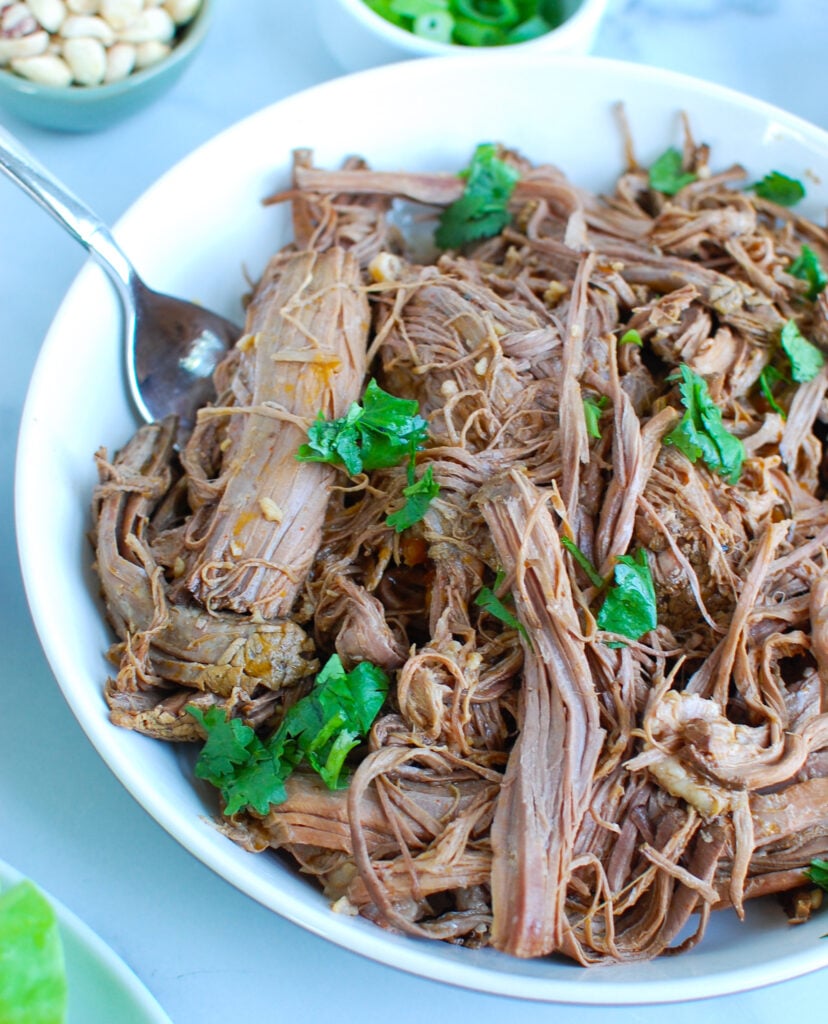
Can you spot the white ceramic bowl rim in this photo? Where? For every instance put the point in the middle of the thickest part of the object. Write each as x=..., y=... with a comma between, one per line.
x=587, y=11
x=54, y=560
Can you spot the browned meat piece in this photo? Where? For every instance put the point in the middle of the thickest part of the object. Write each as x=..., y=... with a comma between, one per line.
x=549, y=777
x=303, y=353
x=357, y=621
x=165, y=645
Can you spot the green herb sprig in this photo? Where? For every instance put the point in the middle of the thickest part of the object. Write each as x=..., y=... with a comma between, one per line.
x=779, y=188
x=488, y=600
x=381, y=432
x=592, y=414
x=594, y=577
x=630, y=605
x=418, y=496
x=701, y=433
x=667, y=174
x=817, y=872
x=768, y=379
x=483, y=209
x=807, y=267
x=320, y=729
x=805, y=358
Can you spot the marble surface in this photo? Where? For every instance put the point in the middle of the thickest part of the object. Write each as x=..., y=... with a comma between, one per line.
x=209, y=954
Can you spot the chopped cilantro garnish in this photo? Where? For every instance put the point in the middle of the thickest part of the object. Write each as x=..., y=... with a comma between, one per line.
x=320, y=729
x=595, y=578
x=592, y=414
x=630, y=605
x=490, y=602
x=808, y=268
x=33, y=988
x=631, y=337
x=379, y=433
x=238, y=763
x=483, y=209
x=667, y=174
x=418, y=496
x=768, y=378
x=806, y=359
x=817, y=872
x=780, y=189
x=701, y=433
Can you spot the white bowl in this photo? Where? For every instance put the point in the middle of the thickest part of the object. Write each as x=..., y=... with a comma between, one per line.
x=196, y=242
x=359, y=38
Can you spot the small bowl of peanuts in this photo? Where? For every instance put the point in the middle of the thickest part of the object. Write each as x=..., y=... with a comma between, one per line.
x=82, y=65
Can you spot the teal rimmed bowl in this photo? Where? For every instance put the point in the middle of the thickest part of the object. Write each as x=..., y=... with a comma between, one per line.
x=80, y=108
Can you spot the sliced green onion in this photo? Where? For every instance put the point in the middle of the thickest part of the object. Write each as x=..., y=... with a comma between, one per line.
x=471, y=33
x=473, y=22
x=494, y=13
x=418, y=8
x=532, y=28
x=437, y=27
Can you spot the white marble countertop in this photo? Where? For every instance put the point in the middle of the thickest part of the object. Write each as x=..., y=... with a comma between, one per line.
x=208, y=953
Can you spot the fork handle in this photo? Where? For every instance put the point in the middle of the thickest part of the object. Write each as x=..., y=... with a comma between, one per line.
x=85, y=226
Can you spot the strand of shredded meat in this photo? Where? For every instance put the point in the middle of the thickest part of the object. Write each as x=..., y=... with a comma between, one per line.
x=537, y=789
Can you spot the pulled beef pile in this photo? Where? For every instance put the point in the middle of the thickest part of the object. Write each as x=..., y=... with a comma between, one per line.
x=533, y=782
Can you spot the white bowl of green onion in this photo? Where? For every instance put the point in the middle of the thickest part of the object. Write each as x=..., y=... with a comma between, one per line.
x=366, y=33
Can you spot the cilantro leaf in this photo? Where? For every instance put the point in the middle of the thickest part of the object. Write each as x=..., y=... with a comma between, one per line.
x=667, y=175
x=418, y=496
x=33, y=988
x=483, y=209
x=808, y=268
x=321, y=729
x=630, y=605
x=701, y=433
x=806, y=359
x=379, y=433
x=357, y=695
x=817, y=872
x=595, y=578
x=631, y=337
x=767, y=379
x=490, y=602
x=779, y=188
x=235, y=761
x=592, y=414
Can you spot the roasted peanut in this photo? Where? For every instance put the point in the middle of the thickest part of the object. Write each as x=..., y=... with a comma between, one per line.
x=86, y=58
x=87, y=26
x=21, y=47
x=90, y=41
x=150, y=53
x=153, y=25
x=181, y=11
x=46, y=69
x=49, y=13
x=121, y=13
x=17, y=21
x=120, y=62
